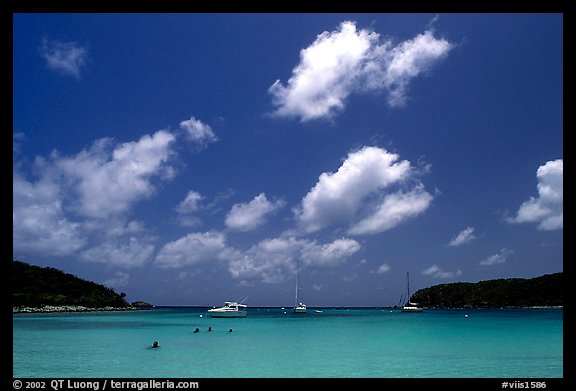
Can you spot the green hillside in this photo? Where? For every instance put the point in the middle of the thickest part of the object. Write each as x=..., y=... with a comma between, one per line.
x=546, y=290
x=34, y=286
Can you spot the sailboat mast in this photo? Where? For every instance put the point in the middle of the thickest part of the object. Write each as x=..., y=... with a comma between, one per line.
x=297, y=278
x=408, y=286
x=408, y=279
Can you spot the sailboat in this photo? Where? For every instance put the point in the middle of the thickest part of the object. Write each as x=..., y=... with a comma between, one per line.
x=409, y=306
x=299, y=307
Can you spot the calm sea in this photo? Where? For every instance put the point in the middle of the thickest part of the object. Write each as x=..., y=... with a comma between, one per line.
x=275, y=343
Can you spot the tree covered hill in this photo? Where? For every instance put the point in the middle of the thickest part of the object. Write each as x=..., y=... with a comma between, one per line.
x=546, y=290
x=34, y=286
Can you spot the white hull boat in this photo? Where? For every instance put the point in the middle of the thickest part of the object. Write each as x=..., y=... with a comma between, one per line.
x=230, y=309
x=409, y=306
x=299, y=307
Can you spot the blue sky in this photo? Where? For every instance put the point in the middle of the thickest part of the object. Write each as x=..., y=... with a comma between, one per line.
x=189, y=159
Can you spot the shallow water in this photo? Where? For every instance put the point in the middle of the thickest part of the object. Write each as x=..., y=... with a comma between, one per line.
x=275, y=343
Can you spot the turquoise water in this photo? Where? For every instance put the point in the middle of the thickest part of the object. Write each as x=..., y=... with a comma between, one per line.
x=273, y=343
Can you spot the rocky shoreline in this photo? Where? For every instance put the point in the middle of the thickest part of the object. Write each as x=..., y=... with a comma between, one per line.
x=68, y=308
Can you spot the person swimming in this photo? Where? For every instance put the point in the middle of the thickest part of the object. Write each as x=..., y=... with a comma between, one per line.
x=155, y=345
x=197, y=330
x=210, y=328
x=230, y=330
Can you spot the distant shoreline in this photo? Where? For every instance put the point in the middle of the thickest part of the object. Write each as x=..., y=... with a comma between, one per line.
x=69, y=308
x=78, y=308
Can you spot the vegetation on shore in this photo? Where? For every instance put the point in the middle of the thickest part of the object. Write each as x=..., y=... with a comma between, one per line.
x=543, y=291
x=46, y=287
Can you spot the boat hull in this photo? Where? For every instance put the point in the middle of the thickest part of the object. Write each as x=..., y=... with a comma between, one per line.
x=231, y=309
x=227, y=314
x=411, y=309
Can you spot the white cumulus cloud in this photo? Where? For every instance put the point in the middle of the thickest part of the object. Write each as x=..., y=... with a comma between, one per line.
x=187, y=208
x=272, y=260
x=190, y=204
x=66, y=57
x=326, y=74
x=463, y=237
x=548, y=208
x=404, y=62
x=134, y=252
x=248, y=216
x=99, y=185
x=269, y=261
x=39, y=223
x=394, y=209
x=81, y=203
x=436, y=272
x=193, y=249
x=349, y=60
x=384, y=268
x=357, y=194
x=329, y=254
x=109, y=182
x=495, y=259
x=198, y=132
